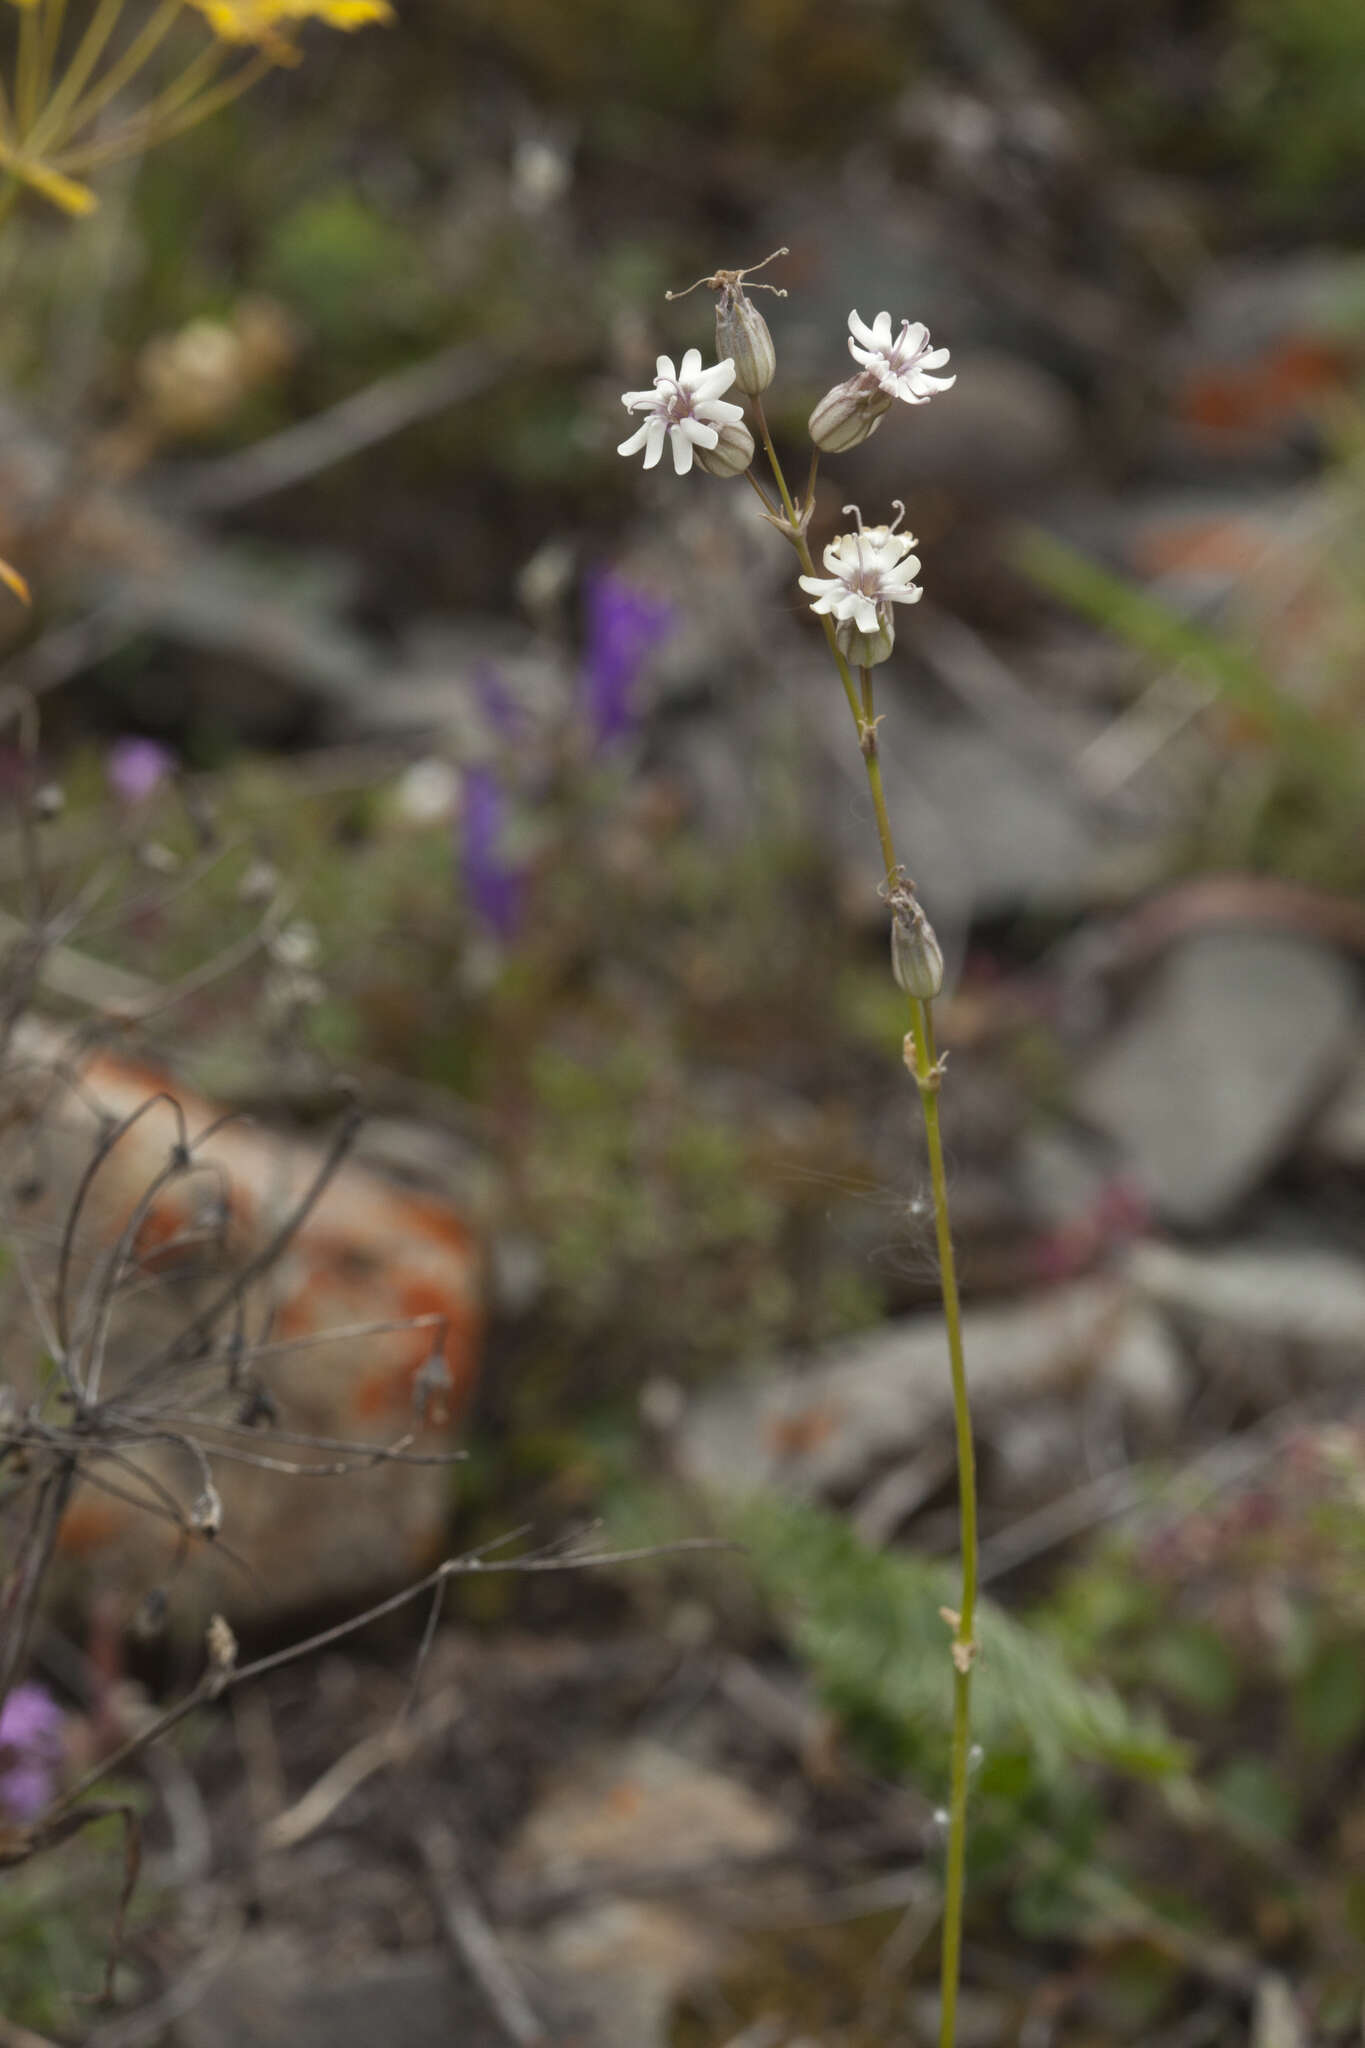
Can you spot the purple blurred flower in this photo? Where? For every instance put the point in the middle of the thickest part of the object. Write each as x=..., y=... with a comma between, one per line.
x=624, y=626
x=135, y=767
x=31, y=1726
x=494, y=886
x=498, y=705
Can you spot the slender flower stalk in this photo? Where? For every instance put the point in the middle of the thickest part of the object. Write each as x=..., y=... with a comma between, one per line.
x=926, y=1067
x=869, y=571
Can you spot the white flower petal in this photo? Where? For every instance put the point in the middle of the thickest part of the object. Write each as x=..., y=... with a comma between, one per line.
x=860, y=331
x=636, y=441
x=665, y=371
x=636, y=401
x=654, y=447
x=710, y=384
x=691, y=367
x=682, y=452
x=698, y=433
x=720, y=412
x=865, y=614
x=911, y=338
x=881, y=331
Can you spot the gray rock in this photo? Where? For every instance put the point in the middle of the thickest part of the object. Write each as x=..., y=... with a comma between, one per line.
x=984, y=828
x=1338, y=1136
x=615, y=1969
x=823, y=1427
x=1233, y=1042
x=1006, y=427
x=1314, y=1300
x=1061, y=1178
x=1243, y=307
x=614, y=1965
x=644, y=1806
x=266, y=1998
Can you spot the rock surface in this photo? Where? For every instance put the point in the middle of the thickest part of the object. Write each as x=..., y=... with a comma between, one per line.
x=1233, y=1042
x=645, y=1807
x=822, y=1427
x=1311, y=1299
x=365, y=1254
x=615, y=1965
x=268, y=1998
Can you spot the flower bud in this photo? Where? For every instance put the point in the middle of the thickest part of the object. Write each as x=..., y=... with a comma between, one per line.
x=916, y=956
x=742, y=334
x=732, y=454
x=865, y=650
x=846, y=415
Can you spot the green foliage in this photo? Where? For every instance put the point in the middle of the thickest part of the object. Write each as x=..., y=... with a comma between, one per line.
x=1256, y=1797
x=57, y=1914
x=791, y=71
x=1243, y=684
x=351, y=272
x=1329, y=1699
x=1299, y=110
x=1192, y=1663
x=869, y=1624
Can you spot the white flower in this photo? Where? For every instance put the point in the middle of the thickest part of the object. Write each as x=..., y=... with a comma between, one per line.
x=902, y=366
x=870, y=570
x=685, y=407
x=426, y=792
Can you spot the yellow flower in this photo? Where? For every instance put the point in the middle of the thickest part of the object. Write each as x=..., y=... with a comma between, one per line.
x=260, y=21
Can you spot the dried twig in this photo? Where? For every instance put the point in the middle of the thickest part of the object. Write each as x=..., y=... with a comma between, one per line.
x=471, y=1937
x=375, y=414
x=392, y=1744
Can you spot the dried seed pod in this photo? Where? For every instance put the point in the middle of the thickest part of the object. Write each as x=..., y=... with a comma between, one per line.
x=742, y=333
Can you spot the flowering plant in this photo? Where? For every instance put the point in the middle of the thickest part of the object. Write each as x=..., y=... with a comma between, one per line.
x=869, y=571
x=31, y=1725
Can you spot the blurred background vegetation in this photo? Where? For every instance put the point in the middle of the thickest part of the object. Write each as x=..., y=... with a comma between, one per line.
x=579, y=897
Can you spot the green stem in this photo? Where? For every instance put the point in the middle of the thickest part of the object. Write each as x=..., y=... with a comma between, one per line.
x=797, y=537
x=872, y=761
x=921, y=1057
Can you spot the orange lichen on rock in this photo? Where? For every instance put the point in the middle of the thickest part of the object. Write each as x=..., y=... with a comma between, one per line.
x=1269, y=392
x=374, y=1280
